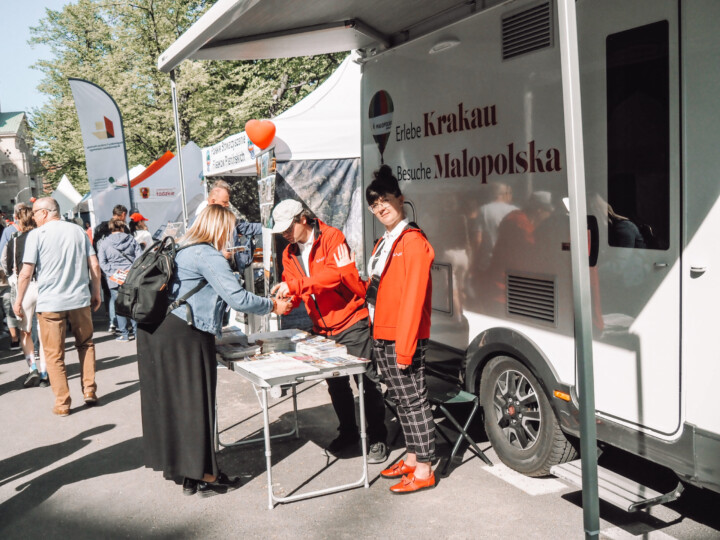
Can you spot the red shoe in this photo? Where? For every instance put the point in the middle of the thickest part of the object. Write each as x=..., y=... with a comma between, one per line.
x=397, y=470
x=409, y=483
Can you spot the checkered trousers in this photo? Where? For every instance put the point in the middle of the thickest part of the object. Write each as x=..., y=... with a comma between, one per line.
x=407, y=388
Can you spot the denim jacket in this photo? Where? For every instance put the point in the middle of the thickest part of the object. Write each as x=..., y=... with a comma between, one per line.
x=203, y=262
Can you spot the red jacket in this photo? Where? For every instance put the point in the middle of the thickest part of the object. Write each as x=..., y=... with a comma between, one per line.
x=404, y=300
x=332, y=306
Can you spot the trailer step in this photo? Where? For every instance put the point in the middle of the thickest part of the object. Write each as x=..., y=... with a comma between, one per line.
x=616, y=489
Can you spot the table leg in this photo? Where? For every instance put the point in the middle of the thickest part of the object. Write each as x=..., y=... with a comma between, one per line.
x=268, y=451
x=294, y=394
x=363, y=434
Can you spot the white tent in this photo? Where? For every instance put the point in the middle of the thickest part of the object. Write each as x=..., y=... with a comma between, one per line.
x=324, y=125
x=66, y=196
x=156, y=191
x=317, y=149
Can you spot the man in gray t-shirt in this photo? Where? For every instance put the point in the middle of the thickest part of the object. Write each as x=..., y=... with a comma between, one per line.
x=66, y=266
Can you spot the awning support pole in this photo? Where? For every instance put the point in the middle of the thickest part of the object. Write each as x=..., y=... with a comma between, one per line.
x=176, y=118
x=579, y=255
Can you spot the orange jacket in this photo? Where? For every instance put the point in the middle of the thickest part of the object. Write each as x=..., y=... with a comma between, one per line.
x=332, y=306
x=404, y=300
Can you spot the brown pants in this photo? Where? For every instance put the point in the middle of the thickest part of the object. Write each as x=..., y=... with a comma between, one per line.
x=53, y=326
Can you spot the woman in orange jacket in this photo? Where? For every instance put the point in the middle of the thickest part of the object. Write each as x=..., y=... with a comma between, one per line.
x=399, y=295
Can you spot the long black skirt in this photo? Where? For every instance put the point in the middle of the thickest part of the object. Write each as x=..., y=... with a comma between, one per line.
x=178, y=379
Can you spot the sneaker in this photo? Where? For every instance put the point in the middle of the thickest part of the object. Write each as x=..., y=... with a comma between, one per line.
x=122, y=338
x=345, y=440
x=220, y=486
x=131, y=337
x=112, y=329
x=44, y=382
x=15, y=345
x=32, y=379
x=378, y=453
x=190, y=486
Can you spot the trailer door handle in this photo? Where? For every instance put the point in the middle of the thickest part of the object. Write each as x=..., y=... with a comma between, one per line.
x=660, y=265
x=593, y=240
x=698, y=269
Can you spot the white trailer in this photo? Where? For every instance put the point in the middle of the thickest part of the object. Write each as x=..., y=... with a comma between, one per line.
x=473, y=117
x=465, y=102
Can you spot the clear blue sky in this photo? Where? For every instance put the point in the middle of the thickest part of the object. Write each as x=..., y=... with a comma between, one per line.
x=18, y=83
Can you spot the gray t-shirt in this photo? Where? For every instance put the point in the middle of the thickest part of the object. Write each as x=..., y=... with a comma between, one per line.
x=60, y=252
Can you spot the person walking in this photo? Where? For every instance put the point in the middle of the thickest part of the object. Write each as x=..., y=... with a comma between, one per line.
x=12, y=257
x=116, y=253
x=176, y=358
x=399, y=294
x=5, y=289
x=68, y=278
x=311, y=275
x=101, y=232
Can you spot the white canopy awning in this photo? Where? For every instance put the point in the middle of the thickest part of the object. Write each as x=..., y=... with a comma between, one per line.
x=324, y=125
x=254, y=29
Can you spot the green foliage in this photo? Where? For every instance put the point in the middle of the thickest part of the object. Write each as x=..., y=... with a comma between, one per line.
x=115, y=44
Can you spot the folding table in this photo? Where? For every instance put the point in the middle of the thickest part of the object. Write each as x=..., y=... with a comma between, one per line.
x=266, y=379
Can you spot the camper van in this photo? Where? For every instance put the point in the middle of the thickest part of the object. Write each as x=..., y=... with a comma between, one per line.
x=470, y=119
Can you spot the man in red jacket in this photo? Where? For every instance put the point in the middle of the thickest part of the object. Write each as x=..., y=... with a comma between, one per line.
x=310, y=274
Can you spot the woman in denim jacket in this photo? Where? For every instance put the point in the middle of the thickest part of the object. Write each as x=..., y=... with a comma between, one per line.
x=176, y=359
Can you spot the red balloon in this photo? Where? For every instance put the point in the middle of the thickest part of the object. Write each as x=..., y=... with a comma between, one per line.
x=260, y=132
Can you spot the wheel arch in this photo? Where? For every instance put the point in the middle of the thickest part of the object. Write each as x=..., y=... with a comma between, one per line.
x=502, y=341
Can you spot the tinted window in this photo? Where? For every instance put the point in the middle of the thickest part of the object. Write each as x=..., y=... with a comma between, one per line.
x=638, y=130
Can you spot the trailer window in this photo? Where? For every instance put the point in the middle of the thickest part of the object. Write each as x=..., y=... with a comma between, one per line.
x=638, y=132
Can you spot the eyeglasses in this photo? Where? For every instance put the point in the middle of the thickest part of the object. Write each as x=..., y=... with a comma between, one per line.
x=378, y=205
x=38, y=209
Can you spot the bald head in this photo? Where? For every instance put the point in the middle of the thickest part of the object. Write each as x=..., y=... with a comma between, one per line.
x=219, y=194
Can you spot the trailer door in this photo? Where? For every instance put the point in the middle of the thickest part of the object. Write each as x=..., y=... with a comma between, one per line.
x=630, y=99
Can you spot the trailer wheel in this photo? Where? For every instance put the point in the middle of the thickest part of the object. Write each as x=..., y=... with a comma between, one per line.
x=519, y=420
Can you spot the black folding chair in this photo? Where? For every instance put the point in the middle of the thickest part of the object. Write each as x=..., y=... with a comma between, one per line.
x=440, y=394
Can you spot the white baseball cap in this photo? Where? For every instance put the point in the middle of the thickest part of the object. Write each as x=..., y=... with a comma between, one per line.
x=284, y=214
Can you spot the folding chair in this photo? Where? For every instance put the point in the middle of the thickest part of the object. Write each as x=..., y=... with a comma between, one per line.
x=442, y=393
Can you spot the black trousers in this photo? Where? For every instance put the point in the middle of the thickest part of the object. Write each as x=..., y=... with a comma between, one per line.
x=358, y=341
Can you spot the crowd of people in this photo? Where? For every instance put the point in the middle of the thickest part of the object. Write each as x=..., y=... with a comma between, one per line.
x=57, y=271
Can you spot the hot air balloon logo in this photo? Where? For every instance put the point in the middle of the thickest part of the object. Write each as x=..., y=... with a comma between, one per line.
x=380, y=115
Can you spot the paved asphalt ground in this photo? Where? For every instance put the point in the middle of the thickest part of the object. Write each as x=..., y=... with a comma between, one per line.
x=83, y=477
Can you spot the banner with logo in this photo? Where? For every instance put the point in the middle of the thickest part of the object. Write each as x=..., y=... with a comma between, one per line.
x=104, y=143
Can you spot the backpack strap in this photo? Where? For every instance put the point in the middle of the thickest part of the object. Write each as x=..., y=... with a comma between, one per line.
x=183, y=300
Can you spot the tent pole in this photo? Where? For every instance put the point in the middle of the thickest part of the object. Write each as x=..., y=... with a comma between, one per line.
x=176, y=118
x=580, y=271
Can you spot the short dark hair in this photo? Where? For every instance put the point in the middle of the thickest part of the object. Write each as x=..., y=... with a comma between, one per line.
x=383, y=183
x=119, y=210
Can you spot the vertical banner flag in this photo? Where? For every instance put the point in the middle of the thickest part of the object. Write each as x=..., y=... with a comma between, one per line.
x=104, y=143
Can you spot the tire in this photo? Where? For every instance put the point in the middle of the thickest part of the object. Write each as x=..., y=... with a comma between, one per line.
x=519, y=420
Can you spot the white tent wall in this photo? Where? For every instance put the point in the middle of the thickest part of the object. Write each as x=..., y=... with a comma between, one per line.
x=158, y=197
x=66, y=196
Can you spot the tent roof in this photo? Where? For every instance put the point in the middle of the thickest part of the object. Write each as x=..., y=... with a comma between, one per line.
x=323, y=125
x=254, y=29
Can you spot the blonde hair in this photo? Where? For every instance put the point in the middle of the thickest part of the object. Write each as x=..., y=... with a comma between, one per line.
x=214, y=226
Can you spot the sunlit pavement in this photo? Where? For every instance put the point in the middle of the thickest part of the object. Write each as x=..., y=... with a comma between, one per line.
x=82, y=476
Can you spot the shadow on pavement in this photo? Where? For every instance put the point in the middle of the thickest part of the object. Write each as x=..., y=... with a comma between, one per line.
x=121, y=457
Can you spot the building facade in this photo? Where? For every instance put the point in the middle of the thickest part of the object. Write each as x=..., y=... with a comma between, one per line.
x=21, y=174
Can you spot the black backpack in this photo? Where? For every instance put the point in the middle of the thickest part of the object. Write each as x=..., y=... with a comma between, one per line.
x=144, y=295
